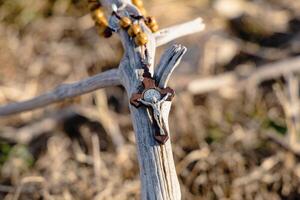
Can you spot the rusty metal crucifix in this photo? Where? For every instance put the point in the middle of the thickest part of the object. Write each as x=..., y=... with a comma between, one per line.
x=153, y=97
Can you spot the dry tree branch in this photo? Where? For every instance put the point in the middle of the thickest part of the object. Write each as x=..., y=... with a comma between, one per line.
x=166, y=35
x=280, y=141
x=105, y=79
x=168, y=62
x=258, y=173
x=262, y=73
x=289, y=100
x=48, y=123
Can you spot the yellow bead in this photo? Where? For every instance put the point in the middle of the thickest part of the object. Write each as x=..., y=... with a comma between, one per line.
x=150, y=21
x=141, y=39
x=101, y=22
x=152, y=24
x=134, y=30
x=125, y=22
x=154, y=28
x=138, y=3
x=98, y=14
x=99, y=17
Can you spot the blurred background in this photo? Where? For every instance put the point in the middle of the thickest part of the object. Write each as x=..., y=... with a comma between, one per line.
x=234, y=121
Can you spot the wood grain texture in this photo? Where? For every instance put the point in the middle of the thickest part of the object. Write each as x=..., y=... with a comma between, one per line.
x=105, y=79
x=157, y=168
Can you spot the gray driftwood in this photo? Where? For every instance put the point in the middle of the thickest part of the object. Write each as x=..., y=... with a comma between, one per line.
x=157, y=170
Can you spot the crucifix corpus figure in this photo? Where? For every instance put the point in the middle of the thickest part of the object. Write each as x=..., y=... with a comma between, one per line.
x=154, y=97
x=156, y=105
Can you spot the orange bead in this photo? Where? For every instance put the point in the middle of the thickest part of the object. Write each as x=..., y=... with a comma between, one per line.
x=101, y=22
x=138, y=3
x=98, y=14
x=152, y=24
x=125, y=22
x=154, y=28
x=134, y=30
x=99, y=17
x=150, y=21
x=141, y=39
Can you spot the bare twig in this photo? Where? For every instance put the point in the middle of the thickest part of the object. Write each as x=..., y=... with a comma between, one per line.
x=24, y=181
x=259, y=172
x=282, y=142
x=166, y=35
x=289, y=100
x=25, y=134
x=107, y=120
x=97, y=162
x=169, y=61
x=105, y=79
x=266, y=72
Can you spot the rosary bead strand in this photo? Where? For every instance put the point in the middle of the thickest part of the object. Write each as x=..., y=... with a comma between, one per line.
x=140, y=5
x=141, y=39
x=150, y=21
x=152, y=24
x=134, y=30
x=98, y=16
x=125, y=22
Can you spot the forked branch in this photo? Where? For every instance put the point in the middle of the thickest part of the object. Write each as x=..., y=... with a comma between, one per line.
x=168, y=62
x=111, y=77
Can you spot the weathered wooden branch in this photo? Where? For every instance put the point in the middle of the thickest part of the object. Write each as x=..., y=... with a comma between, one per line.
x=168, y=62
x=105, y=79
x=157, y=170
x=198, y=85
x=25, y=134
x=166, y=35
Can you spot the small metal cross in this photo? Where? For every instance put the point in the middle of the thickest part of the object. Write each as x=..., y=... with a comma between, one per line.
x=153, y=97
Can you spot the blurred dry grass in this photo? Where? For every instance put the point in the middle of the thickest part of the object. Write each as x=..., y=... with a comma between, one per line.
x=220, y=139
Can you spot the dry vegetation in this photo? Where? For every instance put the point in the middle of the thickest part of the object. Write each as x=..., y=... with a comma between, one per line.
x=238, y=141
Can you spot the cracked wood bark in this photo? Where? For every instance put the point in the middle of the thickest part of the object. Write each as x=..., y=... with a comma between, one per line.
x=157, y=169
